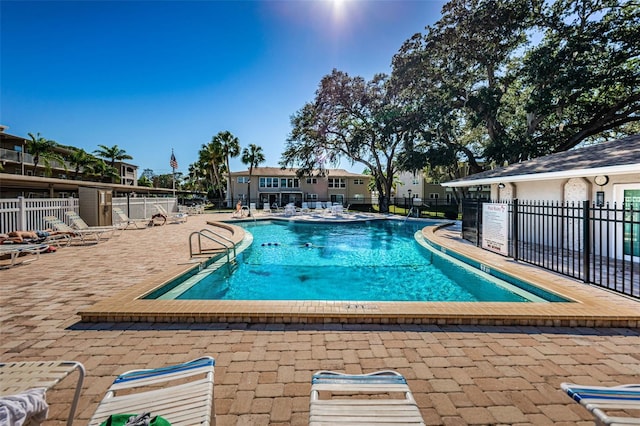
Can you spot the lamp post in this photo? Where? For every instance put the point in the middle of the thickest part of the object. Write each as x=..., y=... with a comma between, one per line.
x=410, y=203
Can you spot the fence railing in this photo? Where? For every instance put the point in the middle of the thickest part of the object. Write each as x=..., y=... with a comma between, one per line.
x=29, y=213
x=599, y=245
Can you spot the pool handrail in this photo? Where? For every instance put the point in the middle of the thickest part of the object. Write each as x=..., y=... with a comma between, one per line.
x=227, y=239
x=202, y=233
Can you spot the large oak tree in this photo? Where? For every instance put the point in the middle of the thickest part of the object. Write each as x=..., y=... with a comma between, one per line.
x=496, y=81
x=353, y=119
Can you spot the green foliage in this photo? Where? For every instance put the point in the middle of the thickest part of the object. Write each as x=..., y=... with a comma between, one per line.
x=101, y=170
x=112, y=153
x=166, y=180
x=252, y=156
x=230, y=148
x=80, y=159
x=145, y=181
x=43, y=150
x=211, y=166
x=496, y=81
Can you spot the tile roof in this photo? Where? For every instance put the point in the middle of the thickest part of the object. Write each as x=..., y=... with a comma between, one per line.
x=278, y=171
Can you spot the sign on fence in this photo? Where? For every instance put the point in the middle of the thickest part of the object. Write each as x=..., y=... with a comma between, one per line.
x=495, y=227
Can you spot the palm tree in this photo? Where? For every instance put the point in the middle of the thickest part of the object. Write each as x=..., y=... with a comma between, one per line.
x=212, y=158
x=113, y=154
x=43, y=149
x=252, y=157
x=80, y=159
x=98, y=167
x=193, y=180
x=231, y=149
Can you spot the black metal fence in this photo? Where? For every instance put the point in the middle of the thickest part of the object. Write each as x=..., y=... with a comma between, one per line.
x=599, y=245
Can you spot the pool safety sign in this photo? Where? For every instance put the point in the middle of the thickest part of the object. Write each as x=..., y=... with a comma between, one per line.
x=495, y=230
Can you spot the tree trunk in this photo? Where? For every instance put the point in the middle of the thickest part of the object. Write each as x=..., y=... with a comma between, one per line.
x=384, y=192
x=230, y=182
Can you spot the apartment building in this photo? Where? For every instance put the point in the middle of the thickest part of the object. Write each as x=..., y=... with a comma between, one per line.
x=22, y=177
x=274, y=185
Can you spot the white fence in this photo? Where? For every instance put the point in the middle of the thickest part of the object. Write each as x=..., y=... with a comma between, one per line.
x=143, y=207
x=29, y=213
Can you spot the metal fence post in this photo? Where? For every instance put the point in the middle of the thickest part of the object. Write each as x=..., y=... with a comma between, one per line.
x=516, y=230
x=478, y=218
x=586, y=238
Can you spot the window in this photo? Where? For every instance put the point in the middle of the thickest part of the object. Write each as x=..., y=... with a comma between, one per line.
x=312, y=197
x=434, y=195
x=358, y=181
x=337, y=183
x=312, y=180
x=267, y=182
x=290, y=183
x=415, y=181
x=243, y=179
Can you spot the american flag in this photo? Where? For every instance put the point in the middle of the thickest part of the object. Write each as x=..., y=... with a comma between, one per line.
x=173, y=162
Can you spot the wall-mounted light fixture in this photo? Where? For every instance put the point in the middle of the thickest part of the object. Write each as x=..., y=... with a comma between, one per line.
x=501, y=185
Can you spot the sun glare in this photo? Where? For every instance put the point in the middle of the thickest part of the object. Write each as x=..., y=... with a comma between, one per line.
x=339, y=9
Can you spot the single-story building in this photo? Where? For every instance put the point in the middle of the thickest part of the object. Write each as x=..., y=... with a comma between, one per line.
x=607, y=172
x=575, y=212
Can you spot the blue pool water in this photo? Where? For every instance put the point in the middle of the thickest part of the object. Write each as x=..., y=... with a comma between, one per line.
x=367, y=261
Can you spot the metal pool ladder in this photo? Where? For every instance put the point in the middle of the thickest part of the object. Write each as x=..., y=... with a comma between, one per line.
x=225, y=242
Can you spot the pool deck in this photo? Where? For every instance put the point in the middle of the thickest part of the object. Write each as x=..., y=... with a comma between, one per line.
x=463, y=367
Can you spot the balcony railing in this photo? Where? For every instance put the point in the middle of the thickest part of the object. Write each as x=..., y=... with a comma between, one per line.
x=14, y=156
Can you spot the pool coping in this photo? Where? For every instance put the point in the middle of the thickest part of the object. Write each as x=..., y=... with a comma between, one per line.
x=589, y=307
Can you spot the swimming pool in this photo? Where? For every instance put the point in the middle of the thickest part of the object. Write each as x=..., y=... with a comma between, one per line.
x=366, y=261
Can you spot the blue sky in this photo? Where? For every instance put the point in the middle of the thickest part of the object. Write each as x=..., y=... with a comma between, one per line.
x=150, y=76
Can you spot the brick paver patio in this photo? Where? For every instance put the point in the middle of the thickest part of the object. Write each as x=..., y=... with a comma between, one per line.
x=459, y=374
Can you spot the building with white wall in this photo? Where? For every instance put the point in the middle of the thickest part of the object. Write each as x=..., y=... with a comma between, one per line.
x=607, y=172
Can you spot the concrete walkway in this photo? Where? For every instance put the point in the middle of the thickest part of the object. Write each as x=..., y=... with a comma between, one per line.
x=459, y=374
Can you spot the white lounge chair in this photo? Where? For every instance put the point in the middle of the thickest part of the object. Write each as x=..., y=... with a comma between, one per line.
x=125, y=221
x=252, y=209
x=602, y=399
x=84, y=235
x=289, y=210
x=78, y=223
x=304, y=208
x=328, y=208
x=380, y=409
x=172, y=217
x=182, y=394
x=266, y=208
x=14, y=254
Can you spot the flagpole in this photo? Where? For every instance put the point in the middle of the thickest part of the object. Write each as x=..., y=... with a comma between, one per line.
x=173, y=172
